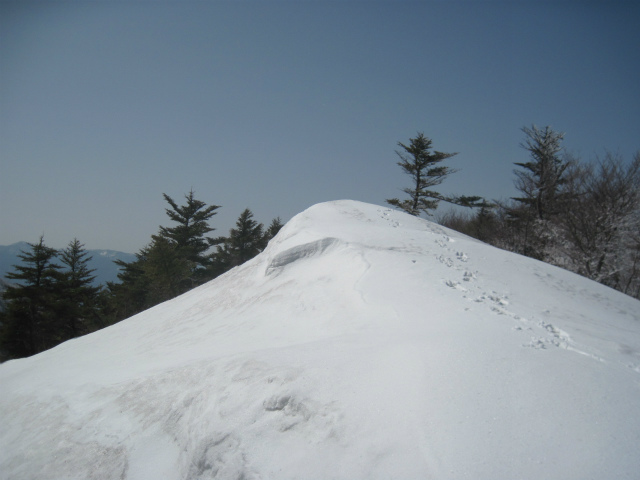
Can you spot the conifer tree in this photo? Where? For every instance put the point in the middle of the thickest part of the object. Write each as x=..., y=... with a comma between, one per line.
x=29, y=323
x=274, y=227
x=172, y=263
x=188, y=238
x=79, y=309
x=540, y=181
x=131, y=294
x=243, y=243
x=543, y=176
x=425, y=168
x=193, y=224
x=168, y=271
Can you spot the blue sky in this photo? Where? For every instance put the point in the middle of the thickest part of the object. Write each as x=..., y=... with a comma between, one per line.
x=276, y=106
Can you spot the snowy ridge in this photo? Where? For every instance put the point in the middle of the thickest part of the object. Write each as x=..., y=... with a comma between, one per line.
x=362, y=343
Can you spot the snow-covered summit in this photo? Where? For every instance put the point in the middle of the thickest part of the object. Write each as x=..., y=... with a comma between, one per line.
x=362, y=343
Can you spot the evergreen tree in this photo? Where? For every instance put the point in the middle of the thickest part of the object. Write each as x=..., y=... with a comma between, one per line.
x=243, y=243
x=131, y=294
x=189, y=241
x=29, y=323
x=174, y=262
x=484, y=224
x=272, y=231
x=540, y=182
x=79, y=309
x=193, y=224
x=3, y=287
x=424, y=166
x=543, y=176
x=168, y=271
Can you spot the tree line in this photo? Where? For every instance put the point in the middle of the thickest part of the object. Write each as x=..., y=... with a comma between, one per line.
x=581, y=216
x=52, y=299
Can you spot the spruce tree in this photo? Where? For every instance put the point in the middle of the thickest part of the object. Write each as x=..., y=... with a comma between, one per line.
x=192, y=225
x=169, y=272
x=172, y=263
x=425, y=168
x=188, y=237
x=243, y=243
x=540, y=181
x=542, y=178
x=131, y=294
x=30, y=321
x=274, y=227
x=79, y=303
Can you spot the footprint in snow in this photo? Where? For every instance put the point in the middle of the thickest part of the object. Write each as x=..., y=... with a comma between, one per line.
x=468, y=276
x=445, y=260
x=456, y=285
x=441, y=243
x=462, y=256
x=386, y=215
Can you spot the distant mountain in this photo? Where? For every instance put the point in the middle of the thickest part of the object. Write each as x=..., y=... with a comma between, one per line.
x=102, y=261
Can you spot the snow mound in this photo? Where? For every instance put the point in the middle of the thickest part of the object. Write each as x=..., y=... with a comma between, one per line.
x=362, y=343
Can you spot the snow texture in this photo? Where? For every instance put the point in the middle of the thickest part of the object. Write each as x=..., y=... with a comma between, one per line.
x=363, y=343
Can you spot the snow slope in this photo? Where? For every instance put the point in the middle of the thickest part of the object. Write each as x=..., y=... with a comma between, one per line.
x=362, y=343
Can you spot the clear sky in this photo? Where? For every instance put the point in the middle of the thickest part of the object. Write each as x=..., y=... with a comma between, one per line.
x=276, y=106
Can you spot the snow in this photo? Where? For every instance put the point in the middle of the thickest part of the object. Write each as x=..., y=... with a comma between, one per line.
x=362, y=343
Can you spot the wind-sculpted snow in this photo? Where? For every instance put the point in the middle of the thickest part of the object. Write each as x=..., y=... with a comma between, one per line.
x=363, y=343
x=301, y=251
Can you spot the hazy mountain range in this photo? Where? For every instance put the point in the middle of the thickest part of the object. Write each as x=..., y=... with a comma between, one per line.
x=102, y=261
